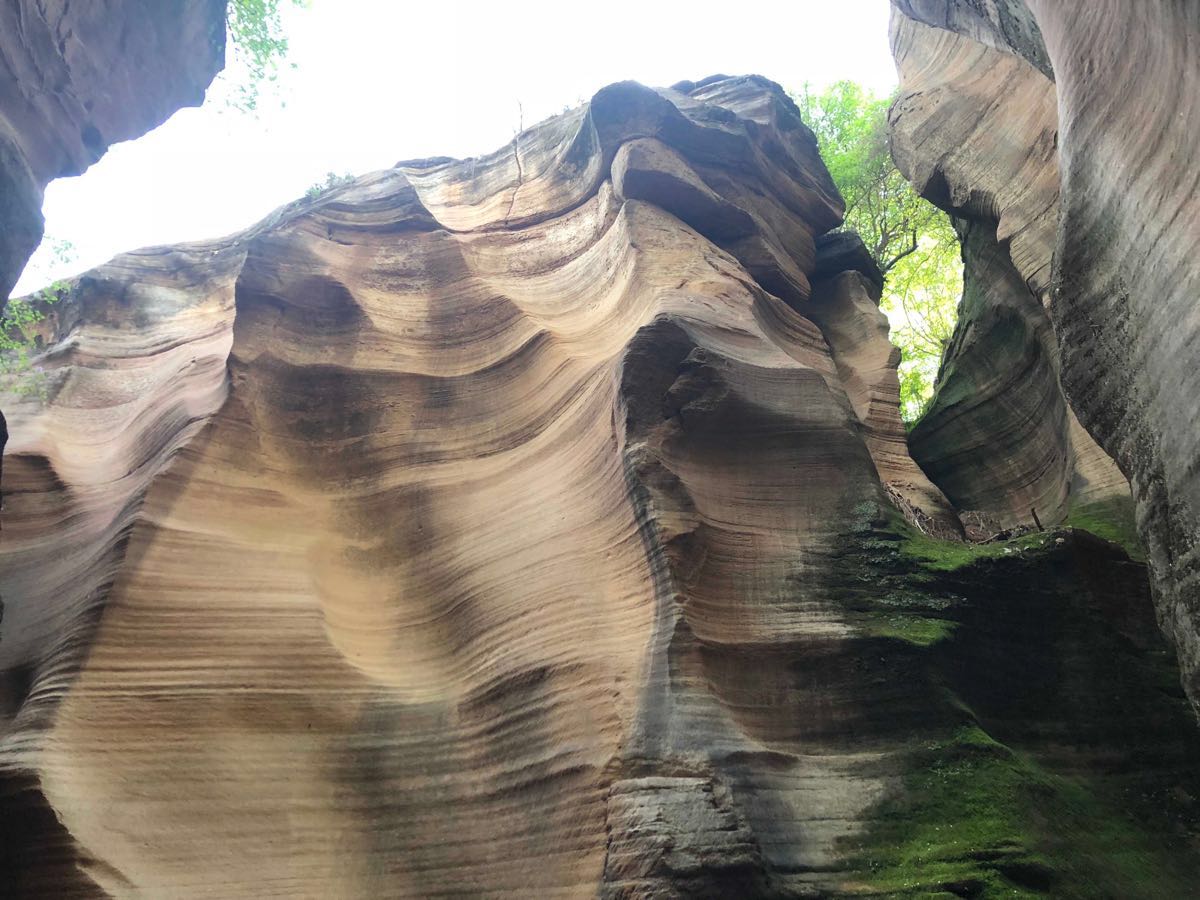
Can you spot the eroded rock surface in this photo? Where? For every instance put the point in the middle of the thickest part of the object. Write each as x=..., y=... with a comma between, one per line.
x=974, y=129
x=1071, y=129
x=524, y=525
x=1126, y=278
x=78, y=77
x=1000, y=437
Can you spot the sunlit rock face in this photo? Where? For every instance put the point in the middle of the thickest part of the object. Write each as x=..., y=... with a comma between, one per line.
x=1071, y=129
x=78, y=77
x=537, y=524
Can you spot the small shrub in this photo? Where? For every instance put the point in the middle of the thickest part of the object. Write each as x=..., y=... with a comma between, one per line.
x=18, y=317
x=332, y=180
x=18, y=344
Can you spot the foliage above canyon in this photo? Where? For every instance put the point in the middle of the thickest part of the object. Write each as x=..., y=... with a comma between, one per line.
x=912, y=240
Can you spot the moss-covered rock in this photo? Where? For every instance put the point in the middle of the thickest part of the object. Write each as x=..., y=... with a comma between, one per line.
x=1111, y=519
x=1049, y=750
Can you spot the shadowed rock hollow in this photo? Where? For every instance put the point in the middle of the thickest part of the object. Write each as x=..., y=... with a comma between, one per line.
x=544, y=523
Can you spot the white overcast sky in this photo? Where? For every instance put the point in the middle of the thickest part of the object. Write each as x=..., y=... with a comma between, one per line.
x=377, y=81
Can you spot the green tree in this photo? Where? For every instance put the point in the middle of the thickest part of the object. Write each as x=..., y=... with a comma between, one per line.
x=921, y=297
x=259, y=45
x=912, y=240
x=18, y=341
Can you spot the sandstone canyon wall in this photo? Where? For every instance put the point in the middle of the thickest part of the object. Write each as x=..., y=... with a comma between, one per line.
x=542, y=524
x=1067, y=130
x=974, y=128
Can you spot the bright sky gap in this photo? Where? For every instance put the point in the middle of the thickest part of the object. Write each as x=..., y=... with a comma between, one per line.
x=377, y=81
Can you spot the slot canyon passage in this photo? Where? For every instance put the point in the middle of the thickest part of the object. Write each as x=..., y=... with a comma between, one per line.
x=543, y=524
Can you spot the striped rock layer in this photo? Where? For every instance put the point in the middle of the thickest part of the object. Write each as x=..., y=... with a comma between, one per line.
x=520, y=525
x=422, y=534
x=975, y=129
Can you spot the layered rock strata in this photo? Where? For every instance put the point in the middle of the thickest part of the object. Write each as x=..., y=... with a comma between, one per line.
x=1126, y=279
x=76, y=78
x=524, y=525
x=847, y=286
x=1000, y=437
x=1071, y=127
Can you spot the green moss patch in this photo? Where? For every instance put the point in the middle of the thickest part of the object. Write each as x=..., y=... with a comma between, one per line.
x=959, y=825
x=918, y=630
x=1112, y=520
x=1052, y=754
x=977, y=819
x=947, y=556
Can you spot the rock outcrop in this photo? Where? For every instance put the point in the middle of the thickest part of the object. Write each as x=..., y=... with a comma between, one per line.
x=1126, y=276
x=974, y=129
x=78, y=77
x=1070, y=129
x=542, y=524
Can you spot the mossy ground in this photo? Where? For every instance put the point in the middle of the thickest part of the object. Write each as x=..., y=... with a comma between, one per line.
x=892, y=572
x=1111, y=520
x=978, y=819
x=958, y=827
x=882, y=586
x=946, y=556
x=919, y=630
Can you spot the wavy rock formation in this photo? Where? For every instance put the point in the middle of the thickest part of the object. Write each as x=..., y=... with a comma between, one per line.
x=1000, y=437
x=845, y=306
x=78, y=77
x=974, y=129
x=542, y=524
x=1126, y=276
x=75, y=78
x=1071, y=128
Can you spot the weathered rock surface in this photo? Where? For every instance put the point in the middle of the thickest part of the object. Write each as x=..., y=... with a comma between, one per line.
x=1072, y=127
x=845, y=306
x=974, y=129
x=1126, y=275
x=999, y=437
x=522, y=525
x=78, y=77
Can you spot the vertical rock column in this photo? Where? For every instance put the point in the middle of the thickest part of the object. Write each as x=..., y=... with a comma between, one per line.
x=1127, y=279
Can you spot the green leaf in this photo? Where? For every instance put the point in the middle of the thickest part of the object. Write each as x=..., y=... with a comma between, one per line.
x=912, y=241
